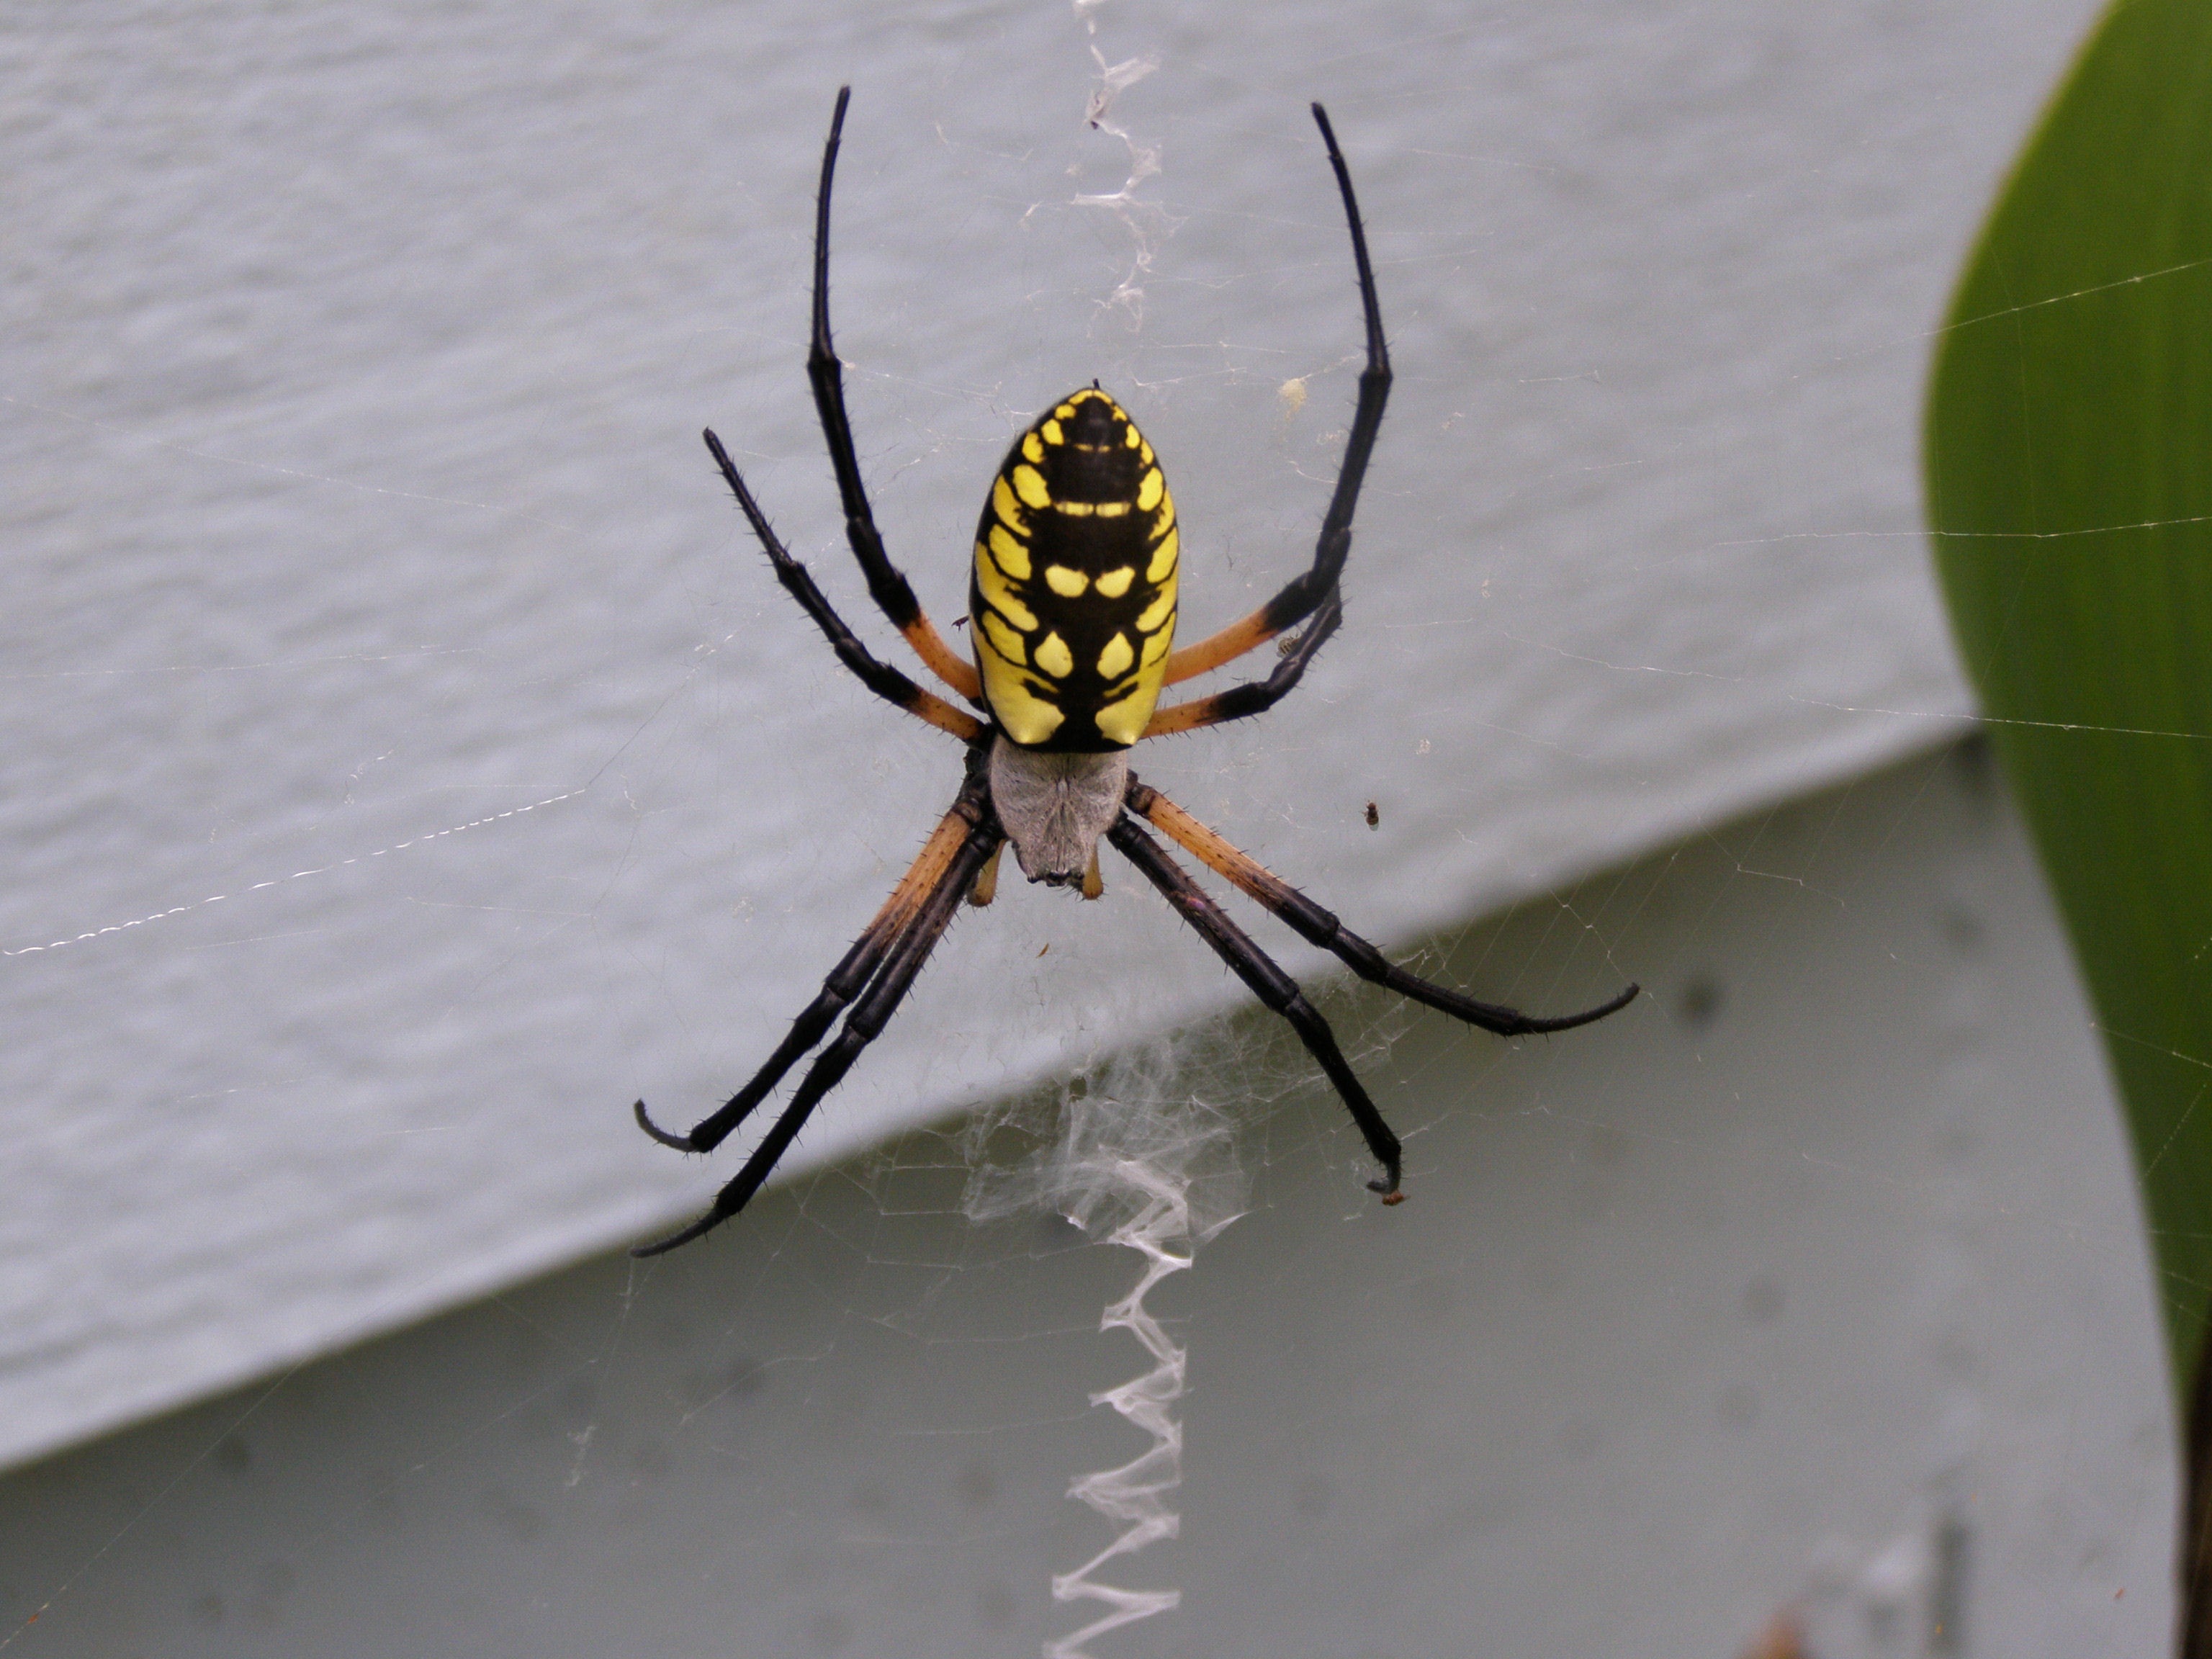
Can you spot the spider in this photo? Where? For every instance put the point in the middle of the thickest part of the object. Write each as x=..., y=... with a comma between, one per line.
x=1073, y=593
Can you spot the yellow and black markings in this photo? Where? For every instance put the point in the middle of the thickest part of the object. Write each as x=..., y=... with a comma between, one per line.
x=1074, y=586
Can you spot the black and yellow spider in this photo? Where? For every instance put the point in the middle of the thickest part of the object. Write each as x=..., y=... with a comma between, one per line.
x=1072, y=597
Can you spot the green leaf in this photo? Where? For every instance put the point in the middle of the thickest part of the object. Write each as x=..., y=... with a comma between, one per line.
x=2069, y=489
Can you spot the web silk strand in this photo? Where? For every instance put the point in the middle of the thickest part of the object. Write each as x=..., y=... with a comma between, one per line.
x=1136, y=1494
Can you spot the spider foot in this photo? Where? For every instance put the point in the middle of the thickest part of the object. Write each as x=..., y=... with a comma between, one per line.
x=1389, y=1189
x=681, y=1143
x=662, y=1246
x=1589, y=1016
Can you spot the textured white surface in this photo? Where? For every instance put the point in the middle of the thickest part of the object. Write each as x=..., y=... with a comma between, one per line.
x=1823, y=1251
x=356, y=357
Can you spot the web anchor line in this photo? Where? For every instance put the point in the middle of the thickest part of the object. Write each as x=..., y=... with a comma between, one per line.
x=296, y=875
x=1136, y=1494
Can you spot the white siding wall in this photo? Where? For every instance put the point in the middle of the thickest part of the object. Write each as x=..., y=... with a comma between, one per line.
x=356, y=360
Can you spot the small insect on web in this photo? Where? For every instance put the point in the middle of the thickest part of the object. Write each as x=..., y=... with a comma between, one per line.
x=1073, y=590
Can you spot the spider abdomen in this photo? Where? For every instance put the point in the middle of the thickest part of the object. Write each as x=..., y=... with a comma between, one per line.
x=1073, y=593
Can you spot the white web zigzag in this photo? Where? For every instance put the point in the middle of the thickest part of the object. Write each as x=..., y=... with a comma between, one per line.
x=1148, y=222
x=297, y=875
x=1136, y=1493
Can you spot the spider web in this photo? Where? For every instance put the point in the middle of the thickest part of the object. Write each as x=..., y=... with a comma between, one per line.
x=412, y=765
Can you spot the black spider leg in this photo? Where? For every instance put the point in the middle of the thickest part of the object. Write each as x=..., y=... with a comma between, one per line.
x=861, y=1027
x=1266, y=981
x=1320, y=926
x=1254, y=696
x=887, y=584
x=1304, y=593
x=880, y=678
x=850, y=977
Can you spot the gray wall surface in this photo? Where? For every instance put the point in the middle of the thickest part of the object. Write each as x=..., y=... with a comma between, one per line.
x=408, y=764
x=1814, y=1281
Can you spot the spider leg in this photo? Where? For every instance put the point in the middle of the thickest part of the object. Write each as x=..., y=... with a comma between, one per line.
x=887, y=584
x=861, y=1027
x=1267, y=982
x=880, y=678
x=1318, y=926
x=1303, y=595
x=846, y=981
x=1253, y=697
